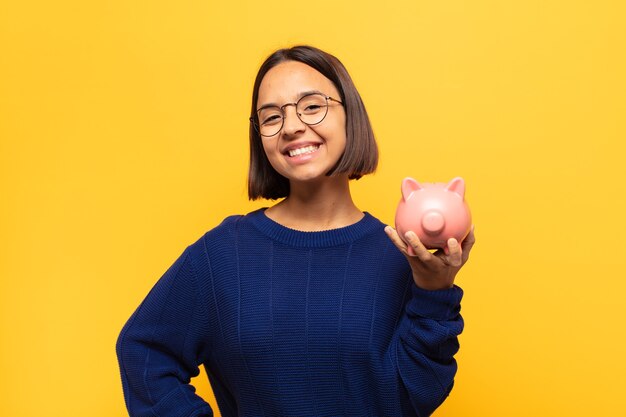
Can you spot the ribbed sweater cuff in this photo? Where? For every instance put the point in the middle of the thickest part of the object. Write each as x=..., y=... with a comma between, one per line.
x=437, y=305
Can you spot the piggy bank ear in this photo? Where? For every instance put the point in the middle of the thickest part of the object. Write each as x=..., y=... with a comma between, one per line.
x=457, y=185
x=408, y=186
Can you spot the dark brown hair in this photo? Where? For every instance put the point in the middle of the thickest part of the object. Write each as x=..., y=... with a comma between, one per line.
x=361, y=154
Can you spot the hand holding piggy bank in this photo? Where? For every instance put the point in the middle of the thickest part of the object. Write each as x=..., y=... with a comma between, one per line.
x=435, y=212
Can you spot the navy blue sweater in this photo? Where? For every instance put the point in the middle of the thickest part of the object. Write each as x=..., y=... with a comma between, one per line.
x=291, y=323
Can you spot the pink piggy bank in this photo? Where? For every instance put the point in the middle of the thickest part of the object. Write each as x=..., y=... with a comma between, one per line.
x=435, y=212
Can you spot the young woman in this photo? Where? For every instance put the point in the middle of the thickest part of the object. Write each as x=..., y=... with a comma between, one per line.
x=311, y=307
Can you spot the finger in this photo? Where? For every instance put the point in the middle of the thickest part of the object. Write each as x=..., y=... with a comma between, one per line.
x=454, y=252
x=395, y=238
x=467, y=244
x=418, y=247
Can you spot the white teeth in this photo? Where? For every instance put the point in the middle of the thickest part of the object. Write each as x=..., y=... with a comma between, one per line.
x=306, y=149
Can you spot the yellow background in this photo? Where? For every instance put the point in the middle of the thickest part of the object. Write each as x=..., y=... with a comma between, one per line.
x=123, y=128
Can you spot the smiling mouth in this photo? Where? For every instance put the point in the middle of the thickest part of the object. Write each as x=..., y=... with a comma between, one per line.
x=303, y=151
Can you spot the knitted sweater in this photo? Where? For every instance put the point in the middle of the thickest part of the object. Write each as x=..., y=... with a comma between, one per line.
x=291, y=323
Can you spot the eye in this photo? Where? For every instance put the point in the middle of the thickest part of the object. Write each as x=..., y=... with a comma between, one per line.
x=270, y=116
x=271, y=119
x=311, y=104
x=311, y=108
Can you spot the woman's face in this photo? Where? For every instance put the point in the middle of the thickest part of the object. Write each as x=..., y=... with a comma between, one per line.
x=302, y=152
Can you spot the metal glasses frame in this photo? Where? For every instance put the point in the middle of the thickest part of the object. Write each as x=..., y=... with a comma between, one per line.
x=254, y=119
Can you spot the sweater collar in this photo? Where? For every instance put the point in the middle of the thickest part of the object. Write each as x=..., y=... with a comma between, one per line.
x=333, y=237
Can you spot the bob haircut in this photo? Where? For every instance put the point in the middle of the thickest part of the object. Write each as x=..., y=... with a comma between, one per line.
x=361, y=154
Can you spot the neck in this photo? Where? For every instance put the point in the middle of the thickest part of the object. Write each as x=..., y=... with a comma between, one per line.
x=324, y=205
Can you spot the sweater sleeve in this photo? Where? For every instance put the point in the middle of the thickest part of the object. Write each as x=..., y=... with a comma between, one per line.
x=425, y=348
x=162, y=345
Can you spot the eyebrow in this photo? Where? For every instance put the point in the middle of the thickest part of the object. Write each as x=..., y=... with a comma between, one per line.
x=302, y=94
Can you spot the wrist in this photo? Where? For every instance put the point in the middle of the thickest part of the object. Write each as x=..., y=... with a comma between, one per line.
x=433, y=284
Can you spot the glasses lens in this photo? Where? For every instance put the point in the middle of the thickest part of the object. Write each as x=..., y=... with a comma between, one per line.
x=270, y=120
x=312, y=108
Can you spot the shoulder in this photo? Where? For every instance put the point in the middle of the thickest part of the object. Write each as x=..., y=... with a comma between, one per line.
x=378, y=242
x=222, y=235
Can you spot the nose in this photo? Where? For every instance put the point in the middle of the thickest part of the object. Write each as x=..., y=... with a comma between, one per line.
x=292, y=123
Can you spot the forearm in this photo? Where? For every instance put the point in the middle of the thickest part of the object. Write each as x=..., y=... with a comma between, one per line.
x=158, y=349
x=426, y=344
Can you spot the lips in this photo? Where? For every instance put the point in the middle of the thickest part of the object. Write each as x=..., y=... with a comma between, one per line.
x=305, y=150
x=301, y=149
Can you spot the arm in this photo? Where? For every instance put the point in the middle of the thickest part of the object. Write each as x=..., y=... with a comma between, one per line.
x=161, y=346
x=424, y=351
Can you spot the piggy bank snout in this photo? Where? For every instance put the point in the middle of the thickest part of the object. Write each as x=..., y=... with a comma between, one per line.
x=433, y=222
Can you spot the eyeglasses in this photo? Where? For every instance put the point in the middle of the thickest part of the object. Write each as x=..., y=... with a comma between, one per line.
x=311, y=110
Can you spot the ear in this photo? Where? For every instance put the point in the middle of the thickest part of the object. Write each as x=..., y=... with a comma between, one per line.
x=408, y=186
x=457, y=185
